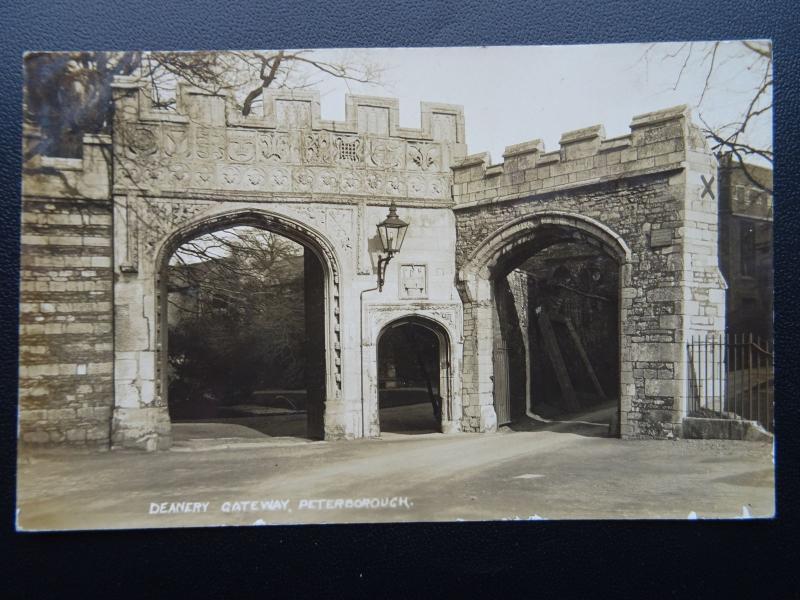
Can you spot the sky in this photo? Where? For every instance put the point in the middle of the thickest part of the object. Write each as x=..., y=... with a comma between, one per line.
x=513, y=94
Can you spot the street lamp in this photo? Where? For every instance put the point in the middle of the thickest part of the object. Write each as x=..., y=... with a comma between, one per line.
x=392, y=231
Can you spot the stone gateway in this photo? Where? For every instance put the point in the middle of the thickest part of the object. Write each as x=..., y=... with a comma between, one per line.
x=630, y=212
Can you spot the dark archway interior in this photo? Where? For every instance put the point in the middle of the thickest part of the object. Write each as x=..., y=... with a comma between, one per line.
x=556, y=330
x=242, y=317
x=409, y=395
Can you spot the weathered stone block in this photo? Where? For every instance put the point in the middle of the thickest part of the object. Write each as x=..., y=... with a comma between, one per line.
x=656, y=352
x=141, y=428
x=488, y=419
x=661, y=387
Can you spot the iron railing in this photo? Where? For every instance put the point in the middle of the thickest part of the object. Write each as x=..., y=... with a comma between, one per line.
x=732, y=377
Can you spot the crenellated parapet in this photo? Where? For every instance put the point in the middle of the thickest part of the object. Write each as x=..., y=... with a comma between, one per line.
x=658, y=142
x=284, y=148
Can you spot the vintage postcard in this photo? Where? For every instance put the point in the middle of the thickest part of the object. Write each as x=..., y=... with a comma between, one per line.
x=396, y=285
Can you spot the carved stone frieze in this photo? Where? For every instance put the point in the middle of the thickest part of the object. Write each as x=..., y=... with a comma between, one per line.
x=351, y=182
x=417, y=186
x=439, y=187
x=375, y=183
x=395, y=186
x=385, y=154
x=337, y=222
x=423, y=157
x=231, y=175
x=155, y=218
x=156, y=158
x=304, y=180
x=280, y=179
x=203, y=176
x=317, y=148
x=176, y=142
x=275, y=147
x=341, y=222
x=210, y=143
x=254, y=176
x=324, y=148
x=349, y=149
x=242, y=146
x=448, y=316
x=179, y=173
x=327, y=182
x=140, y=141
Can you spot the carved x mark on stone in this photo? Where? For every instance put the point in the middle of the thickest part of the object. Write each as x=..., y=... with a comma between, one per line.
x=707, y=187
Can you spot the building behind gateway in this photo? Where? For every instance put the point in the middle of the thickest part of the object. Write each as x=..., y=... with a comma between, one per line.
x=634, y=217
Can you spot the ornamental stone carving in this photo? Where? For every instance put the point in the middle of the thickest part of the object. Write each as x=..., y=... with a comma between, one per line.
x=201, y=148
x=242, y=146
x=210, y=144
x=176, y=142
x=424, y=157
x=275, y=147
x=385, y=154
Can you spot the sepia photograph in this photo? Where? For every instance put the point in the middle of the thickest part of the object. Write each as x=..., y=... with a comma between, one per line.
x=363, y=285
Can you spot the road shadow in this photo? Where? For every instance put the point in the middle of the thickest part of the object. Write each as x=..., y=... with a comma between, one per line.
x=595, y=422
x=251, y=426
x=409, y=419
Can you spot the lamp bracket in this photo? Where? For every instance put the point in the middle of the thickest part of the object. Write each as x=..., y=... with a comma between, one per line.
x=382, y=262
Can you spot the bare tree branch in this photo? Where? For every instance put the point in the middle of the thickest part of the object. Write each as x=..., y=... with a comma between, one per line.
x=69, y=94
x=273, y=63
x=734, y=137
x=714, y=48
x=683, y=66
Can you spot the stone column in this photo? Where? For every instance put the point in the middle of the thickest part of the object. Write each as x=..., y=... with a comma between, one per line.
x=140, y=418
x=478, y=390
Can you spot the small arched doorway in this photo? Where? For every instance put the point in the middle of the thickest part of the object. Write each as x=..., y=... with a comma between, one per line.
x=413, y=376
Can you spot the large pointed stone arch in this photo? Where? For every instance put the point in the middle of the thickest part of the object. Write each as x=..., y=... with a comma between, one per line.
x=520, y=231
x=140, y=416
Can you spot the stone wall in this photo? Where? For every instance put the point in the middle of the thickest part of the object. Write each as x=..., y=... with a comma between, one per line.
x=643, y=198
x=66, y=355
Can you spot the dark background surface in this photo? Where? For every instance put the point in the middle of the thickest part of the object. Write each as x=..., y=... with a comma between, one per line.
x=755, y=559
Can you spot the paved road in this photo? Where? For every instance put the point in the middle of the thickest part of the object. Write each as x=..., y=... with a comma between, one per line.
x=543, y=473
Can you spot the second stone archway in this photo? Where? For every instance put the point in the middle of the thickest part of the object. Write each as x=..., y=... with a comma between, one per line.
x=494, y=257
